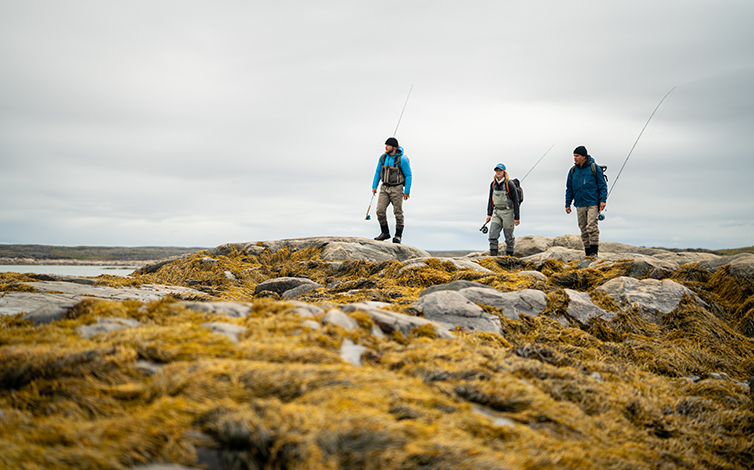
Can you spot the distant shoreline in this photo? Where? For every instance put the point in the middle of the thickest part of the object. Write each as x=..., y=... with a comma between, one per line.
x=71, y=262
x=89, y=255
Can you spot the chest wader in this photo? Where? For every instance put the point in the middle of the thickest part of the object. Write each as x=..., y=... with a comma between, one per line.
x=502, y=220
x=391, y=192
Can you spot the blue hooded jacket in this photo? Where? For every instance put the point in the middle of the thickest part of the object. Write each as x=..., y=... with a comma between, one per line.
x=390, y=161
x=583, y=188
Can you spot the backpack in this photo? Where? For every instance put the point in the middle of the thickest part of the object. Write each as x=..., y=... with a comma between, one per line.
x=593, y=166
x=519, y=190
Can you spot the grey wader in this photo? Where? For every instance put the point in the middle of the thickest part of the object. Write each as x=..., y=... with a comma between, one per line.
x=502, y=220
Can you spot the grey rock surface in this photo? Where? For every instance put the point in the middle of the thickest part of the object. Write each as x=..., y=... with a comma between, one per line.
x=531, y=244
x=639, y=266
x=305, y=310
x=740, y=265
x=512, y=304
x=333, y=248
x=351, y=352
x=282, y=284
x=106, y=325
x=49, y=313
x=459, y=263
x=226, y=329
x=451, y=309
x=337, y=317
x=556, y=253
x=53, y=298
x=653, y=297
x=453, y=286
x=300, y=290
x=535, y=274
x=388, y=321
x=582, y=309
x=228, y=309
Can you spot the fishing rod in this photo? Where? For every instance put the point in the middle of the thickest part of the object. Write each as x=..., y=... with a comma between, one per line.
x=404, y=108
x=601, y=216
x=535, y=165
x=637, y=140
x=369, y=217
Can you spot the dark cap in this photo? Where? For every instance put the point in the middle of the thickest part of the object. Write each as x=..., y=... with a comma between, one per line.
x=580, y=150
x=392, y=141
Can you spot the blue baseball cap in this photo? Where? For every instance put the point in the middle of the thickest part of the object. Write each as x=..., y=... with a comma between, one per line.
x=500, y=166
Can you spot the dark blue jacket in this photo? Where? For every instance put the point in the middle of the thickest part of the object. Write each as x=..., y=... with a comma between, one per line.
x=584, y=188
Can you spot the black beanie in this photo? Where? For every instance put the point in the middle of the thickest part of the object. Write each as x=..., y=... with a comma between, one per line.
x=392, y=141
x=580, y=150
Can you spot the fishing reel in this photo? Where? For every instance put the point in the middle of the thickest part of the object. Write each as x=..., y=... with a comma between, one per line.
x=368, y=217
x=601, y=217
x=484, y=228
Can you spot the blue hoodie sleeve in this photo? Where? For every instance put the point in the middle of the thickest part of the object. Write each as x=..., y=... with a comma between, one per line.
x=406, y=167
x=376, y=179
x=569, y=189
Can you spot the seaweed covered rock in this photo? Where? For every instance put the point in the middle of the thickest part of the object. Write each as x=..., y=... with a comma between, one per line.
x=652, y=297
x=389, y=364
x=451, y=309
x=637, y=265
x=333, y=248
x=531, y=244
x=741, y=265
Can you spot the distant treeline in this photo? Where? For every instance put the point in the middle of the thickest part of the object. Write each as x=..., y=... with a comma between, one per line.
x=94, y=253
x=722, y=252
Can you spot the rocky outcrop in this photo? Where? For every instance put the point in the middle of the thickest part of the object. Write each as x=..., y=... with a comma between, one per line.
x=295, y=361
x=451, y=309
x=652, y=297
x=333, y=248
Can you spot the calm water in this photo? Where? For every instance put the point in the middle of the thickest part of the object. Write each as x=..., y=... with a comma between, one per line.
x=63, y=270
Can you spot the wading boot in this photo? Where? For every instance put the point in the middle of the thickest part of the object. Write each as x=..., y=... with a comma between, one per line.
x=398, y=234
x=508, y=253
x=595, y=249
x=588, y=250
x=385, y=233
x=493, y=252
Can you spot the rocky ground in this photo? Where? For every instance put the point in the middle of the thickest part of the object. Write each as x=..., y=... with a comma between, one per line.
x=340, y=352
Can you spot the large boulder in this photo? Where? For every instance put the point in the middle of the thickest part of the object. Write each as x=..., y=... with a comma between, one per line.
x=639, y=266
x=570, y=241
x=333, y=248
x=454, y=286
x=529, y=302
x=531, y=244
x=652, y=297
x=556, y=253
x=388, y=321
x=282, y=285
x=451, y=309
x=459, y=263
x=582, y=310
x=741, y=265
x=685, y=257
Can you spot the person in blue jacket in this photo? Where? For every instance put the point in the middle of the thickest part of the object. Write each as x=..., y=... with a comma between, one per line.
x=587, y=190
x=394, y=171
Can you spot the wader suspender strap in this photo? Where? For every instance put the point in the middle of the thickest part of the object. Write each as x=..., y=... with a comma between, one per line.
x=383, y=159
x=492, y=187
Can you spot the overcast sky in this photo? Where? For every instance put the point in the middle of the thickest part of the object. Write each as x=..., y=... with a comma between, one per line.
x=189, y=123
